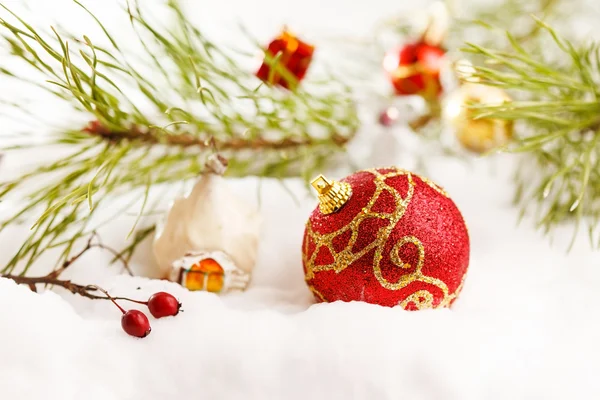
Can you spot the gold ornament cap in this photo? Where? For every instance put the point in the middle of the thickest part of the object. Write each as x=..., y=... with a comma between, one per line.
x=332, y=194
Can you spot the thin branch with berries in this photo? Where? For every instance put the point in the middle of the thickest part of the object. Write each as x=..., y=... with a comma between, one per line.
x=134, y=322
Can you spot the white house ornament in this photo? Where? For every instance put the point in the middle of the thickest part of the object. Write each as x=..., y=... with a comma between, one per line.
x=210, y=227
x=209, y=271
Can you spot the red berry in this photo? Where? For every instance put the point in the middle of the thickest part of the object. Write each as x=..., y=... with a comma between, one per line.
x=163, y=304
x=135, y=323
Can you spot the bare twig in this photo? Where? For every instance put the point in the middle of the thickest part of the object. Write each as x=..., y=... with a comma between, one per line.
x=52, y=278
x=126, y=254
x=88, y=246
x=82, y=290
x=67, y=263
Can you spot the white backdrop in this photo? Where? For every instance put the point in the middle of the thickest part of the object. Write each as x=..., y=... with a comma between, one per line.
x=525, y=327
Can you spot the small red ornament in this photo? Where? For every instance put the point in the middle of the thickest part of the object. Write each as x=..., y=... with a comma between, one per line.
x=389, y=116
x=415, y=69
x=385, y=236
x=294, y=54
x=163, y=304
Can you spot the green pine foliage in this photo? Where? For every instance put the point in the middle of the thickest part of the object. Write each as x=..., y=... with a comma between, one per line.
x=155, y=113
x=557, y=109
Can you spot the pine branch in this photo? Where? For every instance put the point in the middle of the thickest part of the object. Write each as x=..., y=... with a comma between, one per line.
x=147, y=131
x=475, y=19
x=153, y=137
x=502, y=15
x=559, y=113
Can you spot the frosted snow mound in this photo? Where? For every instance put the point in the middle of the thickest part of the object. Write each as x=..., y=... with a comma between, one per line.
x=525, y=326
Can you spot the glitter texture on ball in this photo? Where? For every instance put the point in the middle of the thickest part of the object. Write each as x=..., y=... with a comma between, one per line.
x=398, y=240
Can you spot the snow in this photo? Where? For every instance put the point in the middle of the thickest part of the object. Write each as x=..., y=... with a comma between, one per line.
x=525, y=327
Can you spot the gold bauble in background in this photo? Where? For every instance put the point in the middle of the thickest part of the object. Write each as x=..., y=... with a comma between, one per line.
x=483, y=134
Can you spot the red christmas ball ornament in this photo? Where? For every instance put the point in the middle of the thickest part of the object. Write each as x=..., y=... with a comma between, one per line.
x=291, y=53
x=385, y=236
x=414, y=69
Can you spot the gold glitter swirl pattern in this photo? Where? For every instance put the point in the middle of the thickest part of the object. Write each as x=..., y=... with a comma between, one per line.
x=345, y=257
x=396, y=257
x=434, y=186
x=422, y=299
x=317, y=293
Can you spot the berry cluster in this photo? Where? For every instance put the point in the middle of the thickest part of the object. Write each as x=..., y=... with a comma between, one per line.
x=135, y=322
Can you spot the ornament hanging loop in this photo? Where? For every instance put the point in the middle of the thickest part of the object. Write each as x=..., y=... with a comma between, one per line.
x=332, y=194
x=216, y=164
x=438, y=24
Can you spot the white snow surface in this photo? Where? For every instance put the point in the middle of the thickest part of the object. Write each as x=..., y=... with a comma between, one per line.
x=525, y=327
